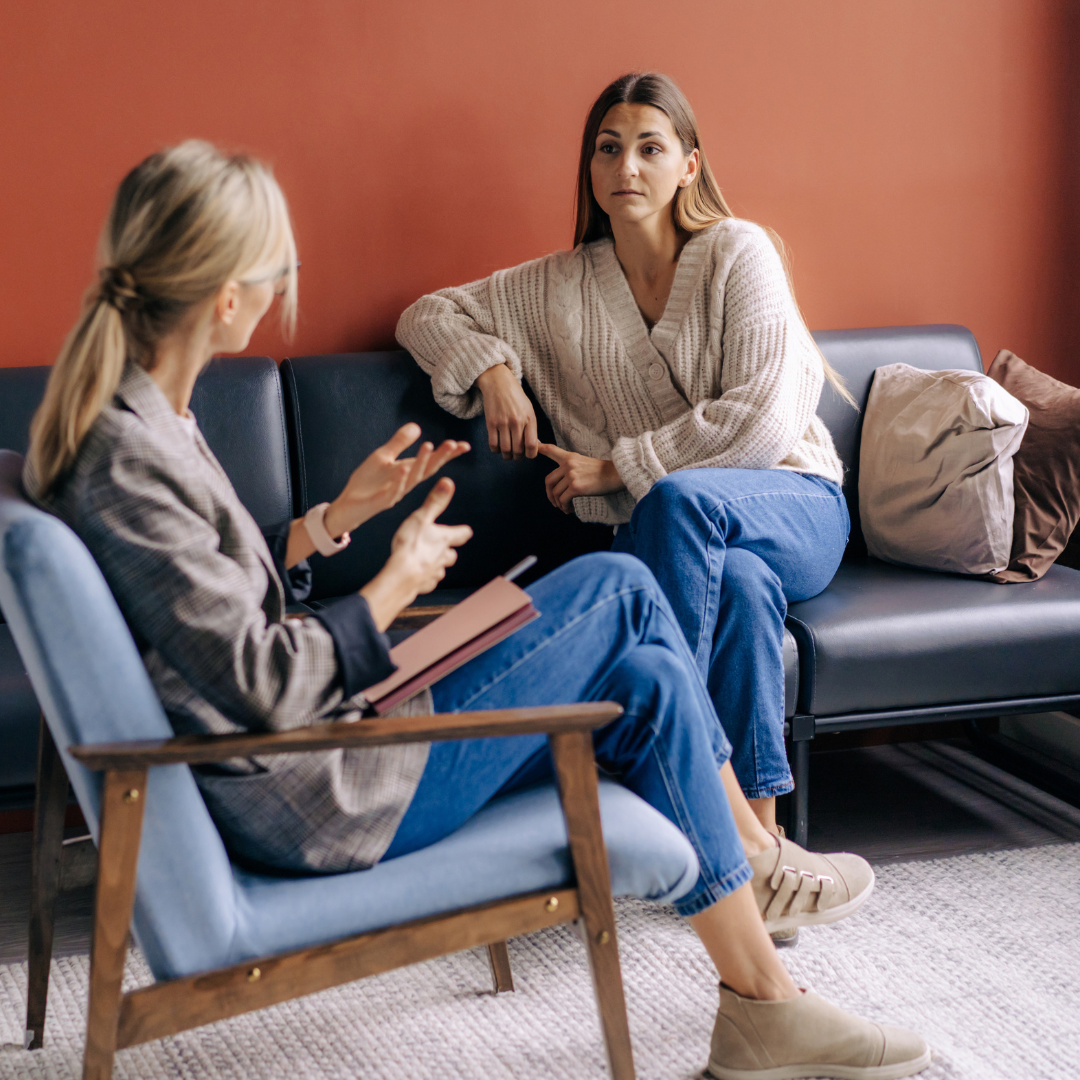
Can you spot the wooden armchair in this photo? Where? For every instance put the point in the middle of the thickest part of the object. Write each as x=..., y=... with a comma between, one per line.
x=221, y=939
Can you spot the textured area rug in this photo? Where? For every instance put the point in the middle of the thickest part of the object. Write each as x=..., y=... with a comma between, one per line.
x=980, y=953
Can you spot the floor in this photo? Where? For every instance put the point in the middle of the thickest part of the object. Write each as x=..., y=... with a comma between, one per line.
x=891, y=804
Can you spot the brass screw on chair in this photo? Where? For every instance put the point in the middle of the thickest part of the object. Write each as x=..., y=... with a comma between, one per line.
x=552, y=904
x=254, y=975
x=603, y=937
x=132, y=795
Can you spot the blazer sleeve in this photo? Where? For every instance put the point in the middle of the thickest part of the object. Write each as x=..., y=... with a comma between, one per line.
x=770, y=384
x=456, y=334
x=186, y=598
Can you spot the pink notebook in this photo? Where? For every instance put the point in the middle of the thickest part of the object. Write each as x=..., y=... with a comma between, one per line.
x=466, y=630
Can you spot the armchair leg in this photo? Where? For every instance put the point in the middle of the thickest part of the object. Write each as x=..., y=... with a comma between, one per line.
x=575, y=768
x=118, y=855
x=50, y=805
x=501, y=977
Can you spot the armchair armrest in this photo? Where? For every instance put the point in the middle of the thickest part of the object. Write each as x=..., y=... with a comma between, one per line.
x=378, y=731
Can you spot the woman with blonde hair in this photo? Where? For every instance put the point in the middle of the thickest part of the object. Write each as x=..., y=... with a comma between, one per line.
x=682, y=385
x=195, y=249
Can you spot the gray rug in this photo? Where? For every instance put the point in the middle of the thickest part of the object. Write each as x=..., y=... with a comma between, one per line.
x=980, y=953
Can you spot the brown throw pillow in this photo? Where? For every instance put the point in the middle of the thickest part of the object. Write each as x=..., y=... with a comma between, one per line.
x=1046, y=468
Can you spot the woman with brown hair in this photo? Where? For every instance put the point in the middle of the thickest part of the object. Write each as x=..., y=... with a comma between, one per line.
x=682, y=385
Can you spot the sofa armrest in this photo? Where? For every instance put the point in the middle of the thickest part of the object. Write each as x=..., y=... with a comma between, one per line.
x=377, y=731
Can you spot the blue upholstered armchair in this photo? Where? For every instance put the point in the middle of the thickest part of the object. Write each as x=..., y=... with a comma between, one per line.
x=222, y=940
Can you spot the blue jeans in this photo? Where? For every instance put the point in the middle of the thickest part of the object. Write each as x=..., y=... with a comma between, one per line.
x=606, y=633
x=731, y=548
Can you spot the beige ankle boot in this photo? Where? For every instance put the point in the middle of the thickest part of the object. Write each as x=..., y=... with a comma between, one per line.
x=807, y=1037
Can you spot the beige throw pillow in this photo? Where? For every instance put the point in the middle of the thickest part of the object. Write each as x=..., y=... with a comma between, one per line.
x=936, y=469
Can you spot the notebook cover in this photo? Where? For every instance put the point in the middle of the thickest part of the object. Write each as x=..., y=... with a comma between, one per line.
x=458, y=657
x=484, y=609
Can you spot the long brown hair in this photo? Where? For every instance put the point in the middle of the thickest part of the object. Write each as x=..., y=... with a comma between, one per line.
x=697, y=206
x=183, y=223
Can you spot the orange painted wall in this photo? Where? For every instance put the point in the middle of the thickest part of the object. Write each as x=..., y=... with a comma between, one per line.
x=913, y=153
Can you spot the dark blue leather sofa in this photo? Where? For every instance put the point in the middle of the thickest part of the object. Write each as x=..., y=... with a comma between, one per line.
x=882, y=646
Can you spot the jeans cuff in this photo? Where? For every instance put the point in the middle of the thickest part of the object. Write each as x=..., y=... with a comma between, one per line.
x=770, y=791
x=703, y=895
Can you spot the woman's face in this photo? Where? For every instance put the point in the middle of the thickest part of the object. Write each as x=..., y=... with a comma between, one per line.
x=241, y=306
x=638, y=164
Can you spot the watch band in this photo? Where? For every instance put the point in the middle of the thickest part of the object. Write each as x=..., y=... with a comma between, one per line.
x=315, y=523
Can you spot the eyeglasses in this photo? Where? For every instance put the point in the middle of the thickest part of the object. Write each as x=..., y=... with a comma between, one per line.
x=280, y=278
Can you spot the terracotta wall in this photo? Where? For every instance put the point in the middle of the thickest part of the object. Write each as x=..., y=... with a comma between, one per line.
x=913, y=153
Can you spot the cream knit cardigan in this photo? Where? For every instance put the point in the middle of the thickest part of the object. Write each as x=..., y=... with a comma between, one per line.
x=728, y=378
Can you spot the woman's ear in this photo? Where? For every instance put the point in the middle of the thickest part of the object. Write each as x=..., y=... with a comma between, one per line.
x=692, y=165
x=228, y=301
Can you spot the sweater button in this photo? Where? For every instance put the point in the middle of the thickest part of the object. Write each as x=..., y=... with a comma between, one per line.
x=656, y=372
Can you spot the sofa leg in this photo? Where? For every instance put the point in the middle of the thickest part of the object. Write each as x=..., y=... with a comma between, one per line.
x=502, y=978
x=50, y=805
x=575, y=768
x=802, y=731
x=122, y=804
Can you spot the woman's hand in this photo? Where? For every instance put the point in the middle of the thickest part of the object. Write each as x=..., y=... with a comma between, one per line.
x=511, y=420
x=577, y=475
x=419, y=555
x=383, y=480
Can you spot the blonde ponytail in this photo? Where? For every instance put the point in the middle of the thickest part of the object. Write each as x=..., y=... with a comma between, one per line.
x=183, y=223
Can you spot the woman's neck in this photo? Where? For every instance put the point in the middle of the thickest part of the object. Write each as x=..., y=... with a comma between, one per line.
x=178, y=360
x=648, y=252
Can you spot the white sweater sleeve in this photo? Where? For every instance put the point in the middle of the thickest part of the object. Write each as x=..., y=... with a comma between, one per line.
x=456, y=334
x=770, y=383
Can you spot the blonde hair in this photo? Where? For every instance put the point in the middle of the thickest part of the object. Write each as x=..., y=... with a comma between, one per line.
x=697, y=206
x=183, y=223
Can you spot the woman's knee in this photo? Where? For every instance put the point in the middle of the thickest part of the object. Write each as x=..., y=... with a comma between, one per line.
x=750, y=583
x=671, y=499
x=625, y=571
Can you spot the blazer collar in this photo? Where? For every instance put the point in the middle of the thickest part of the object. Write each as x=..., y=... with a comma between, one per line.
x=145, y=399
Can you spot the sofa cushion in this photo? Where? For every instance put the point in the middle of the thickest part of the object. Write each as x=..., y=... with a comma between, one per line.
x=884, y=637
x=856, y=355
x=1046, y=468
x=342, y=407
x=936, y=469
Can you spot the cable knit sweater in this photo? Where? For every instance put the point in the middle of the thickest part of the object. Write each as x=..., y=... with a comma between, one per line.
x=728, y=378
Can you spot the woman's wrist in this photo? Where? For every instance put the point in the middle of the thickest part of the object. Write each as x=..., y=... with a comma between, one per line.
x=388, y=594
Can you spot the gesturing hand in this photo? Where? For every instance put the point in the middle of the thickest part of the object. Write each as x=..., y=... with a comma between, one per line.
x=420, y=552
x=511, y=420
x=382, y=480
x=577, y=475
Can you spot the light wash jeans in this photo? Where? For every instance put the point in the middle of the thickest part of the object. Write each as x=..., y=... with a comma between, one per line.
x=731, y=548
x=606, y=633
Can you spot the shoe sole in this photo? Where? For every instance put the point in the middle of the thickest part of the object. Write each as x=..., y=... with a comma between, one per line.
x=785, y=939
x=834, y=1072
x=821, y=918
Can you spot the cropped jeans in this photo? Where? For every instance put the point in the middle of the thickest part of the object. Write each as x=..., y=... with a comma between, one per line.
x=606, y=633
x=731, y=548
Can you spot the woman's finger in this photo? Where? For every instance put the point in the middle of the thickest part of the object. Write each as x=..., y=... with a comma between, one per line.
x=438, y=499
x=401, y=440
x=456, y=535
x=418, y=466
x=530, y=439
x=550, y=450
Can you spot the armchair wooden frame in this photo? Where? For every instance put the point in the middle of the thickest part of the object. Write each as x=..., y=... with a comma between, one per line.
x=116, y=1020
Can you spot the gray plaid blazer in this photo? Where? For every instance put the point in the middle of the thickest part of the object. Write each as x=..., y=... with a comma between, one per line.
x=196, y=583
